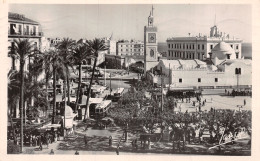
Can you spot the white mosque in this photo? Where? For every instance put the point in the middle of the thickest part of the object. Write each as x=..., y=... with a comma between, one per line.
x=222, y=70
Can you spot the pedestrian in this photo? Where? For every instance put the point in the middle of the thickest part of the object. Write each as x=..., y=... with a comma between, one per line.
x=76, y=153
x=56, y=137
x=85, y=140
x=110, y=141
x=40, y=144
x=117, y=151
x=52, y=152
x=47, y=140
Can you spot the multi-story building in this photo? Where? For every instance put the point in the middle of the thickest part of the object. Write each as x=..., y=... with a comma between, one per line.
x=111, y=44
x=130, y=48
x=200, y=47
x=21, y=27
x=54, y=41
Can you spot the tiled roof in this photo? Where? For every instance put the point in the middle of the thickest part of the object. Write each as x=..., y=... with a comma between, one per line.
x=20, y=18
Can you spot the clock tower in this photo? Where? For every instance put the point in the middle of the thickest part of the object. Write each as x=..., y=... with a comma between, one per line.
x=150, y=44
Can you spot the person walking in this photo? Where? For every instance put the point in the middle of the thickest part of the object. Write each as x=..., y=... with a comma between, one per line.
x=117, y=151
x=85, y=140
x=47, y=140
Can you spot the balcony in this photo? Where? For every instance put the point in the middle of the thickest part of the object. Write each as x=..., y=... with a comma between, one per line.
x=25, y=34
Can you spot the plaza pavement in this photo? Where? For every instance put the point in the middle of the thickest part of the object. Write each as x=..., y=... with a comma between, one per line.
x=98, y=143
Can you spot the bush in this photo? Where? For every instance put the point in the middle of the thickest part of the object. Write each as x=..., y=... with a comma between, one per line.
x=12, y=148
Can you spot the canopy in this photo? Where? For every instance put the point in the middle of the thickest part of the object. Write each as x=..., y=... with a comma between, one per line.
x=103, y=104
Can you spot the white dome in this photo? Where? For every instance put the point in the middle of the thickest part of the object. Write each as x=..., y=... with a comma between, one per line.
x=68, y=112
x=222, y=50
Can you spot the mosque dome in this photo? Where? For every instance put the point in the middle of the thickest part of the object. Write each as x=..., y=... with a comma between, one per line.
x=223, y=51
x=69, y=112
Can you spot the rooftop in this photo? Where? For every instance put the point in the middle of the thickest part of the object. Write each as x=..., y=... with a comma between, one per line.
x=20, y=18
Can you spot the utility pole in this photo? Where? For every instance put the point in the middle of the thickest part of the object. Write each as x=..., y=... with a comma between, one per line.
x=105, y=76
x=162, y=93
x=110, y=84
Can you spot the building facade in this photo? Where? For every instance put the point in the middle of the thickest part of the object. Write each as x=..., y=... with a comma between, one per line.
x=21, y=27
x=130, y=48
x=111, y=45
x=200, y=47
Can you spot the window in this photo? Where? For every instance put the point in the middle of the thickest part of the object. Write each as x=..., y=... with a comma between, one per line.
x=172, y=53
x=192, y=46
x=228, y=56
x=236, y=46
x=198, y=55
x=175, y=46
x=180, y=80
x=121, y=49
x=20, y=29
x=216, y=79
x=193, y=55
x=211, y=46
x=202, y=46
x=172, y=45
x=199, y=80
x=169, y=45
x=187, y=46
x=169, y=54
x=237, y=54
x=175, y=54
x=183, y=46
x=121, y=45
x=198, y=46
x=231, y=46
x=180, y=46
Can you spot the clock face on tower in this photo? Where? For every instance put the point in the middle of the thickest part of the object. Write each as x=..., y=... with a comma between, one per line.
x=151, y=38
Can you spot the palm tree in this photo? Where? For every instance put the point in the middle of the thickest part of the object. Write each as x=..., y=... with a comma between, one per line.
x=81, y=52
x=66, y=47
x=22, y=49
x=13, y=91
x=42, y=63
x=96, y=46
x=57, y=61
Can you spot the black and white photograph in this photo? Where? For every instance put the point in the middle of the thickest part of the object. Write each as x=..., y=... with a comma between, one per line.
x=129, y=79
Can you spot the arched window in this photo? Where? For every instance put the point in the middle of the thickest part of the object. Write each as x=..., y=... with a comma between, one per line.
x=151, y=53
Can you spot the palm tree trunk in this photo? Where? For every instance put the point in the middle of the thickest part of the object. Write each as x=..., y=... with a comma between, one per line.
x=21, y=101
x=68, y=85
x=90, y=84
x=79, y=84
x=13, y=130
x=46, y=84
x=65, y=83
x=54, y=96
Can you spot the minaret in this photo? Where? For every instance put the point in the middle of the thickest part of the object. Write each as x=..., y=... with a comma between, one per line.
x=150, y=43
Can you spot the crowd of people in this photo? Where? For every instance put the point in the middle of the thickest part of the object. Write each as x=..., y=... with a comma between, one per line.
x=35, y=138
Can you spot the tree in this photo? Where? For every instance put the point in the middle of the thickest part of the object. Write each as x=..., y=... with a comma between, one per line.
x=66, y=47
x=57, y=61
x=42, y=63
x=22, y=50
x=95, y=46
x=80, y=53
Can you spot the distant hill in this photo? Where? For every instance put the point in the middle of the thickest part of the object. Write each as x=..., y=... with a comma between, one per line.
x=246, y=49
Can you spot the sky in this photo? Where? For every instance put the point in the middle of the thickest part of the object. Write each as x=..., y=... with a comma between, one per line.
x=127, y=21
